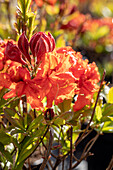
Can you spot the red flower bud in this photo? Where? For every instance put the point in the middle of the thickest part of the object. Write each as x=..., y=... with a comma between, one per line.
x=49, y=114
x=41, y=43
x=23, y=45
x=13, y=53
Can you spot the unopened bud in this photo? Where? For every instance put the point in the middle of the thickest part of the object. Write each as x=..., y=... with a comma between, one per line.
x=23, y=45
x=13, y=53
x=41, y=43
x=49, y=114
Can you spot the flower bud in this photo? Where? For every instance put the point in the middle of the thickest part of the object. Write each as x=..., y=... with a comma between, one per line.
x=23, y=45
x=13, y=53
x=49, y=114
x=41, y=43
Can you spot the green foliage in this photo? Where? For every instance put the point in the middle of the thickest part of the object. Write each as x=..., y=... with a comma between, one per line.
x=25, y=18
x=110, y=95
x=5, y=153
x=98, y=113
x=65, y=105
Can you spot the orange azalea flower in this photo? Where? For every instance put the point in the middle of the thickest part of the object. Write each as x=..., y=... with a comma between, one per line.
x=4, y=80
x=1, y=61
x=54, y=78
x=2, y=58
x=23, y=85
x=87, y=85
x=86, y=77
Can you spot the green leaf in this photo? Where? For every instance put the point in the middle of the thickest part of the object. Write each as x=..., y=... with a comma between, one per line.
x=59, y=121
x=110, y=95
x=101, y=32
x=15, y=142
x=31, y=23
x=35, y=123
x=72, y=122
x=11, y=115
x=21, y=5
x=67, y=115
x=16, y=131
x=65, y=105
x=74, y=138
x=108, y=127
x=28, y=140
x=9, y=112
x=5, y=138
x=76, y=115
x=2, y=92
x=14, y=103
x=5, y=153
x=105, y=119
x=107, y=110
x=29, y=144
x=26, y=153
x=98, y=113
x=30, y=14
x=19, y=166
x=28, y=3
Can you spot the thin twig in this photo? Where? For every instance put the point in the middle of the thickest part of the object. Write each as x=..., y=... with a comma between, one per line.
x=80, y=138
x=110, y=166
x=75, y=158
x=85, y=154
x=48, y=150
x=71, y=152
x=41, y=139
x=34, y=113
x=50, y=163
x=54, y=155
x=60, y=159
x=50, y=153
x=63, y=165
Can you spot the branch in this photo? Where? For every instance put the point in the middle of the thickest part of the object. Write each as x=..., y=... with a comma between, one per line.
x=110, y=166
x=85, y=154
x=59, y=160
x=71, y=152
x=48, y=150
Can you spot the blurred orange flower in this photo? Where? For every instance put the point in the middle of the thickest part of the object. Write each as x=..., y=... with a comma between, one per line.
x=41, y=2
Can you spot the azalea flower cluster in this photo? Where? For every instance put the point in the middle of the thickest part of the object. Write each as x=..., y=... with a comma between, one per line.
x=86, y=25
x=37, y=70
x=75, y=22
x=92, y=25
